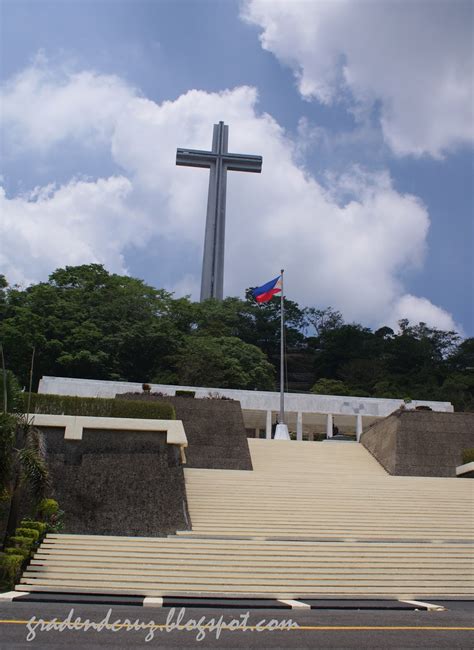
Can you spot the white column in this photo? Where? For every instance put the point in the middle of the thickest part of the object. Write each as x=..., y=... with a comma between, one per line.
x=299, y=426
x=311, y=436
x=268, y=428
x=358, y=426
x=257, y=432
x=329, y=425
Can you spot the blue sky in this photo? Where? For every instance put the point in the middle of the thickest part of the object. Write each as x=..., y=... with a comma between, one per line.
x=362, y=111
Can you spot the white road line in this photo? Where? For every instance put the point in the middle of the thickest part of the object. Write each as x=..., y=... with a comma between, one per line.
x=295, y=604
x=10, y=595
x=429, y=606
x=151, y=601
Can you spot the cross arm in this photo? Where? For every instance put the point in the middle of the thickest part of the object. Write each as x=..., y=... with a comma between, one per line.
x=242, y=163
x=195, y=158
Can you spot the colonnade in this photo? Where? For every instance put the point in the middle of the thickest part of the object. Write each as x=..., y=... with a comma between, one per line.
x=299, y=426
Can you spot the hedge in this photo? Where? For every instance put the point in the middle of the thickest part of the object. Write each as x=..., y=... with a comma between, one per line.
x=12, y=550
x=18, y=541
x=47, y=507
x=10, y=568
x=468, y=455
x=20, y=549
x=98, y=407
x=40, y=526
x=28, y=532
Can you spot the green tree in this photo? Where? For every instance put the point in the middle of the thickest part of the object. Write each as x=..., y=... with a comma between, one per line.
x=361, y=375
x=415, y=359
x=322, y=320
x=337, y=347
x=458, y=388
x=85, y=322
x=260, y=325
x=461, y=357
x=225, y=362
x=327, y=386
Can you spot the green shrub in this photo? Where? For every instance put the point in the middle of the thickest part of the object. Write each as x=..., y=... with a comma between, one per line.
x=10, y=567
x=142, y=409
x=99, y=407
x=20, y=542
x=56, y=523
x=11, y=550
x=47, y=508
x=325, y=386
x=27, y=532
x=319, y=437
x=185, y=393
x=468, y=455
x=40, y=526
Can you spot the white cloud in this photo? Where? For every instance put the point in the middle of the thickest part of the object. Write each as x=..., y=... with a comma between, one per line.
x=345, y=245
x=415, y=58
x=81, y=222
x=81, y=106
x=421, y=310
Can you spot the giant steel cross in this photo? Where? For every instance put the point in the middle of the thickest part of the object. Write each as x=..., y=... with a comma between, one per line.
x=219, y=161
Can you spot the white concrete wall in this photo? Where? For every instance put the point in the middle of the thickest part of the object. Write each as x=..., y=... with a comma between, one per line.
x=249, y=399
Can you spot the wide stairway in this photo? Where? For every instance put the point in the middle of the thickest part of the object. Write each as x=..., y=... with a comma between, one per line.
x=312, y=519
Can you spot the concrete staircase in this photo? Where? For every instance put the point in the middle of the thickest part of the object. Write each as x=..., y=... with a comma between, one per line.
x=326, y=491
x=312, y=519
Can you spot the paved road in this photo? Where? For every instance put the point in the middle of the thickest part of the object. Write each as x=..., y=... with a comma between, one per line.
x=316, y=628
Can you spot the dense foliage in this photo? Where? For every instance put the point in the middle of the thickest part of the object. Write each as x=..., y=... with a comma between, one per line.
x=86, y=322
x=23, y=467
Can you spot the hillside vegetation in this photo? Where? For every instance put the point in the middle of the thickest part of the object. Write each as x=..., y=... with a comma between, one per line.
x=86, y=322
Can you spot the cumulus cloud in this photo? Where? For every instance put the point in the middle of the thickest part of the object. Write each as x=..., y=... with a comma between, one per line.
x=81, y=222
x=413, y=59
x=346, y=244
x=80, y=106
x=421, y=310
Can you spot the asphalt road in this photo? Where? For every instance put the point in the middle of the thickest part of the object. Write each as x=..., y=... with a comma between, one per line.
x=453, y=628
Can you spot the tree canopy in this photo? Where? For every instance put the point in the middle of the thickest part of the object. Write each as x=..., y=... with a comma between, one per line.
x=87, y=322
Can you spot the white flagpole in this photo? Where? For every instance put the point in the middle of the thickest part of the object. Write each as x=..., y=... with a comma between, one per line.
x=281, y=432
x=281, y=419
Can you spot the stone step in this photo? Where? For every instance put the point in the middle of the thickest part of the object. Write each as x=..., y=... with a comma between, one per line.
x=225, y=591
x=303, y=573
x=90, y=560
x=316, y=545
x=397, y=559
x=254, y=580
x=348, y=529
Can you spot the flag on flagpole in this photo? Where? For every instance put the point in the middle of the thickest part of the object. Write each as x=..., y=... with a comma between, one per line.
x=267, y=290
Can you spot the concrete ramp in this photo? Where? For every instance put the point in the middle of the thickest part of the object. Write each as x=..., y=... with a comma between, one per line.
x=312, y=519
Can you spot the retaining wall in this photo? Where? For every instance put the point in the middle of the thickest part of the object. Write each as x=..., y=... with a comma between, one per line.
x=420, y=443
x=117, y=482
x=214, y=428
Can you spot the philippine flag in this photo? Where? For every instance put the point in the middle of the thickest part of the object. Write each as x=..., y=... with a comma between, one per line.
x=268, y=290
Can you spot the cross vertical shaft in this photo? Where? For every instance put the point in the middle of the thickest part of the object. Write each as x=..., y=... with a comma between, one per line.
x=219, y=161
x=212, y=278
